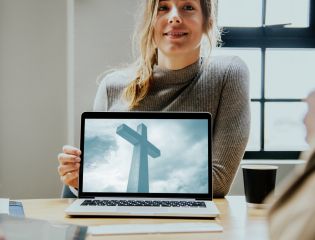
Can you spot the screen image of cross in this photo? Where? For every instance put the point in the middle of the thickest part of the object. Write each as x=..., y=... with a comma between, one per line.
x=138, y=175
x=146, y=155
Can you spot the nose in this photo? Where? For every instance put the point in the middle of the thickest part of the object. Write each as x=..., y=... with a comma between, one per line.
x=174, y=16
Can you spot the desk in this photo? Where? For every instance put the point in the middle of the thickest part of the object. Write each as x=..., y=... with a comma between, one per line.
x=238, y=221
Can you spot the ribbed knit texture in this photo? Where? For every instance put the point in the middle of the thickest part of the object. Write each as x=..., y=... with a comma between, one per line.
x=220, y=87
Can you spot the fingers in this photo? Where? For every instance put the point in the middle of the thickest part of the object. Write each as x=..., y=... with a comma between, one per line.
x=64, y=169
x=71, y=179
x=67, y=149
x=68, y=168
x=64, y=158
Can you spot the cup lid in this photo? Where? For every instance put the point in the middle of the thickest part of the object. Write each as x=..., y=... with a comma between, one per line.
x=260, y=167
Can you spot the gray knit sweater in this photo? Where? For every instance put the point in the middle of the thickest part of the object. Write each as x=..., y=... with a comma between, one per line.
x=220, y=87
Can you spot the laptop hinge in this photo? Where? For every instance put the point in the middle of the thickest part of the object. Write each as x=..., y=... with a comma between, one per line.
x=204, y=199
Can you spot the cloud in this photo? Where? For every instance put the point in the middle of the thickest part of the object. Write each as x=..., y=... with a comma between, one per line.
x=182, y=166
x=97, y=148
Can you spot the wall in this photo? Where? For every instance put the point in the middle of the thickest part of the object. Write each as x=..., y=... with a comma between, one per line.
x=102, y=40
x=33, y=106
x=50, y=55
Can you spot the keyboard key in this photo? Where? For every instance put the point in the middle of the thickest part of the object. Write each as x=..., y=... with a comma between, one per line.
x=146, y=203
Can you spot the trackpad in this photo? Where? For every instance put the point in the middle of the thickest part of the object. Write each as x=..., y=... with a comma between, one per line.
x=142, y=210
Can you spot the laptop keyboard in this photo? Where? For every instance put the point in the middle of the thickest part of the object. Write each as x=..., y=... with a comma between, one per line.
x=148, y=203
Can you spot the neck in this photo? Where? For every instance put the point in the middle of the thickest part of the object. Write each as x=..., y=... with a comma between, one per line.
x=176, y=62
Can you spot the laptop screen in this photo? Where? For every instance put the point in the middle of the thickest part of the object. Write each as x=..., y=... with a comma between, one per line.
x=146, y=154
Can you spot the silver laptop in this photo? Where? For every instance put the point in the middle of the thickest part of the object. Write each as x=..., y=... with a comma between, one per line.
x=156, y=164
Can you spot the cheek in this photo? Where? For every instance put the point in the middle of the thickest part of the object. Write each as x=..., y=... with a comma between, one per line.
x=157, y=30
x=197, y=27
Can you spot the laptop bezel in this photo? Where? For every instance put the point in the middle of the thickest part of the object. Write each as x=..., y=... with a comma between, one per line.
x=147, y=115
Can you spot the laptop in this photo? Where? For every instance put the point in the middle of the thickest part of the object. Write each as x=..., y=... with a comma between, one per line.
x=154, y=164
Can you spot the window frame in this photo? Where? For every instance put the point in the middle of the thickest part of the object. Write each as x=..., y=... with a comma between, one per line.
x=268, y=37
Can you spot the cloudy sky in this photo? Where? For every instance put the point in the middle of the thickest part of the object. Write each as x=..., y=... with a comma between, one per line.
x=181, y=168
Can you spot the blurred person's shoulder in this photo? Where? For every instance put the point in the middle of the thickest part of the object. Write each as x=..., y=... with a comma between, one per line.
x=293, y=214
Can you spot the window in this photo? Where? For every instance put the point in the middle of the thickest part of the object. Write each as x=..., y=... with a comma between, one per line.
x=276, y=38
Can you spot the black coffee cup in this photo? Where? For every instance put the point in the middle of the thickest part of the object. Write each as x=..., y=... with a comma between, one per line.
x=259, y=181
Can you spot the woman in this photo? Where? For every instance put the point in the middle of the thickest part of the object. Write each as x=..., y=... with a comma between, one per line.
x=171, y=75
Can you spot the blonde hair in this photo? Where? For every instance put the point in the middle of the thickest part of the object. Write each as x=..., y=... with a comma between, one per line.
x=143, y=41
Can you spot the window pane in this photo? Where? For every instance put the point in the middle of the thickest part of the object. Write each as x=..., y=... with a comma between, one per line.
x=240, y=13
x=284, y=128
x=289, y=73
x=252, y=57
x=254, y=137
x=288, y=11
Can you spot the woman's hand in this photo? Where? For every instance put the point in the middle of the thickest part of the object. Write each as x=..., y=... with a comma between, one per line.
x=69, y=164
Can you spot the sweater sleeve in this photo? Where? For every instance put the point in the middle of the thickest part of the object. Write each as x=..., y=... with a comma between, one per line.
x=74, y=191
x=231, y=126
x=101, y=101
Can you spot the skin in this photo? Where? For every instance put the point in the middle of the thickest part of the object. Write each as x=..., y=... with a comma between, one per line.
x=178, y=32
x=309, y=119
x=69, y=164
x=2, y=237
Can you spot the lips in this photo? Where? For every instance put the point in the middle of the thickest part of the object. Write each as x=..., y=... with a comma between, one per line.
x=175, y=34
